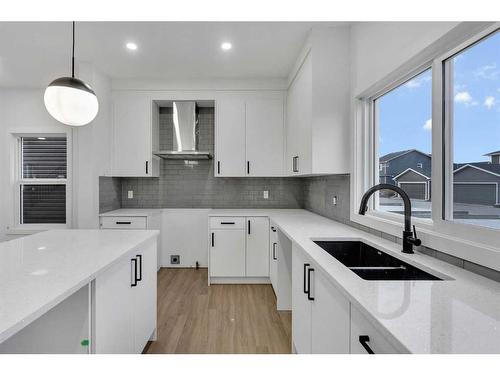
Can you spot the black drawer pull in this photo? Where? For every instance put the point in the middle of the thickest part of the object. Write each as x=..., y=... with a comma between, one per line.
x=147, y=167
x=227, y=223
x=213, y=242
x=140, y=267
x=123, y=222
x=218, y=167
x=364, y=340
x=134, y=262
x=309, y=284
x=305, y=283
x=248, y=226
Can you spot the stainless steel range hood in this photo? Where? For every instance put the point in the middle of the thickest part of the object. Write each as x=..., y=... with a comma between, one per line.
x=185, y=134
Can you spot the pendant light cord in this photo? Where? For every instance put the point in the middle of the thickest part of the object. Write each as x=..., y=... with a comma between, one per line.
x=73, y=54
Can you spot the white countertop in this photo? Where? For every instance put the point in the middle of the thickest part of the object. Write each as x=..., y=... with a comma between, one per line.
x=450, y=316
x=39, y=271
x=132, y=212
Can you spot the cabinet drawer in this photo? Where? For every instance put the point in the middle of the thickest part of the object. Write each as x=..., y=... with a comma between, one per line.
x=362, y=330
x=123, y=222
x=227, y=222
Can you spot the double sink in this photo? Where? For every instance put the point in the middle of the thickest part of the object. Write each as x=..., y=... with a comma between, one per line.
x=370, y=263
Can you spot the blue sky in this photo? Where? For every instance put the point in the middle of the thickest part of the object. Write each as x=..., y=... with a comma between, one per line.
x=405, y=113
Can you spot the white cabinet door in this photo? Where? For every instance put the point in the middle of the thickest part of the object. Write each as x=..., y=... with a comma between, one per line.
x=301, y=307
x=227, y=253
x=132, y=127
x=230, y=139
x=329, y=317
x=145, y=297
x=363, y=331
x=264, y=137
x=257, y=254
x=113, y=314
x=298, y=122
x=273, y=260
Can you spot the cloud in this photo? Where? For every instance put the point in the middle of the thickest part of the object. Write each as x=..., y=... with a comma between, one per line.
x=489, y=102
x=487, y=72
x=417, y=82
x=428, y=124
x=463, y=97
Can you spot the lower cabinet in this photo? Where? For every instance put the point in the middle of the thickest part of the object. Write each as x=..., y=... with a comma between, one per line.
x=124, y=317
x=365, y=338
x=238, y=249
x=323, y=319
x=320, y=317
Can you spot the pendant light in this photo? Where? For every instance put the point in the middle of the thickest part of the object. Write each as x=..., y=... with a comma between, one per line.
x=70, y=100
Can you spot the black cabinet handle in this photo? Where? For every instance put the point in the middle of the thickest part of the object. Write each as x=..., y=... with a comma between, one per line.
x=295, y=163
x=213, y=235
x=273, y=229
x=248, y=226
x=218, y=167
x=140, y=267
x=123, y=222
x=134, y=262
x=248, y=167
x=305, y=284
x=364, y=340
x=147, y=166
x=227, y=223
x=274, y=251
x=309, y=271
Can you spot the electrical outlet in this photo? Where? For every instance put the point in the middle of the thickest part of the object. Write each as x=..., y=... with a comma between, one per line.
x=266, y=194
x=175, y=259
x=130, y=194
x=334, y=200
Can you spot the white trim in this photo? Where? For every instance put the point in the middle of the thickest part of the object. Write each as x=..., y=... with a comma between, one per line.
x=473, y=166
x=473, y=243
x=410, y=170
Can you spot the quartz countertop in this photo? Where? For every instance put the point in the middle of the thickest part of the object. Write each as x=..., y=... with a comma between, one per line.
x=39, y=271
x=460, y=314
x=132, y=212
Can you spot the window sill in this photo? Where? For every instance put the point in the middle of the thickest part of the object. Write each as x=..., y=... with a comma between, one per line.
x=458, y=245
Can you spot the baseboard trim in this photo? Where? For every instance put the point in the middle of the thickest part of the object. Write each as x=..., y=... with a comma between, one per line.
x=240, y=280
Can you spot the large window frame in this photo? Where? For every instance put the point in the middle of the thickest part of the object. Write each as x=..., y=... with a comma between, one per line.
x=17, y=180
x=477, y=244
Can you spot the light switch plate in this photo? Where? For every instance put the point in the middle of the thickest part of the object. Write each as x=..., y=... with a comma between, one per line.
x=266, y=194
x=130, y=194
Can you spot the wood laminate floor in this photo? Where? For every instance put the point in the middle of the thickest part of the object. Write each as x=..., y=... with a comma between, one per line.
x=196, y=318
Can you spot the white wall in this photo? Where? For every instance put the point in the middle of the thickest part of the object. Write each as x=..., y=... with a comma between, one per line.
x=23, y=111
x=378, y=48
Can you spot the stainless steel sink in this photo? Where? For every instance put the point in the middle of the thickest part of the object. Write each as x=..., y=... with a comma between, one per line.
x=370, y=263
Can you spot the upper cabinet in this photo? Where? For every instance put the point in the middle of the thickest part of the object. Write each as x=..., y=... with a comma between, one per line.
x=317, y=106
x=135, y=121
x=250, y=135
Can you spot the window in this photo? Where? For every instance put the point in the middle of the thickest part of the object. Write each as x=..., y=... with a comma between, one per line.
x=451, y=119
x=42, y=180
x=473, y=89
x=402, y=120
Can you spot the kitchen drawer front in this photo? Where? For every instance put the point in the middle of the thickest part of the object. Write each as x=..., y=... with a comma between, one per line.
x=235, y=222
x=123, y=222
x=363, y=330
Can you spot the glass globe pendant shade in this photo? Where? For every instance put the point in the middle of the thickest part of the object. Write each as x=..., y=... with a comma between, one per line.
x=71, y=101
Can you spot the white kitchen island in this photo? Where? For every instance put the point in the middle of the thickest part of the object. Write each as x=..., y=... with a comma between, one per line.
x=78, y=291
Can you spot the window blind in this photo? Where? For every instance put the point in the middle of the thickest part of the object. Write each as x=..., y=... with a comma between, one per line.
x=44, y=158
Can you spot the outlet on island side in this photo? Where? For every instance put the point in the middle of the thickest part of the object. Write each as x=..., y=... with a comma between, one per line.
x=130, y=194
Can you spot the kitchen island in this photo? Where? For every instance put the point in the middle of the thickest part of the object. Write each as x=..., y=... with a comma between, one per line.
x=74, y=291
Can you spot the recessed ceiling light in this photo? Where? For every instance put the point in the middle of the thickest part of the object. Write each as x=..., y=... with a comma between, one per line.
x=131, y=46
x=226, y=46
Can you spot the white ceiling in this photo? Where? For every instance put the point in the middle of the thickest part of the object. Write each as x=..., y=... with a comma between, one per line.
x=34, y=53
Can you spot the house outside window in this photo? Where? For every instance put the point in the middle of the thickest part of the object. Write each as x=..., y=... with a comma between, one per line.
x=42, y=181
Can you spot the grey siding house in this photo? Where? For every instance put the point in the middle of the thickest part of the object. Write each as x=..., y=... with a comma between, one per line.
x=473, y=183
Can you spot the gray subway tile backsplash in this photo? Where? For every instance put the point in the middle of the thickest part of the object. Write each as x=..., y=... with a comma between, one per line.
x=191, y=184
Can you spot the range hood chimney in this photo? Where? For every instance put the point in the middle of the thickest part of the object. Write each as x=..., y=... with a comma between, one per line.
x=185, y=134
